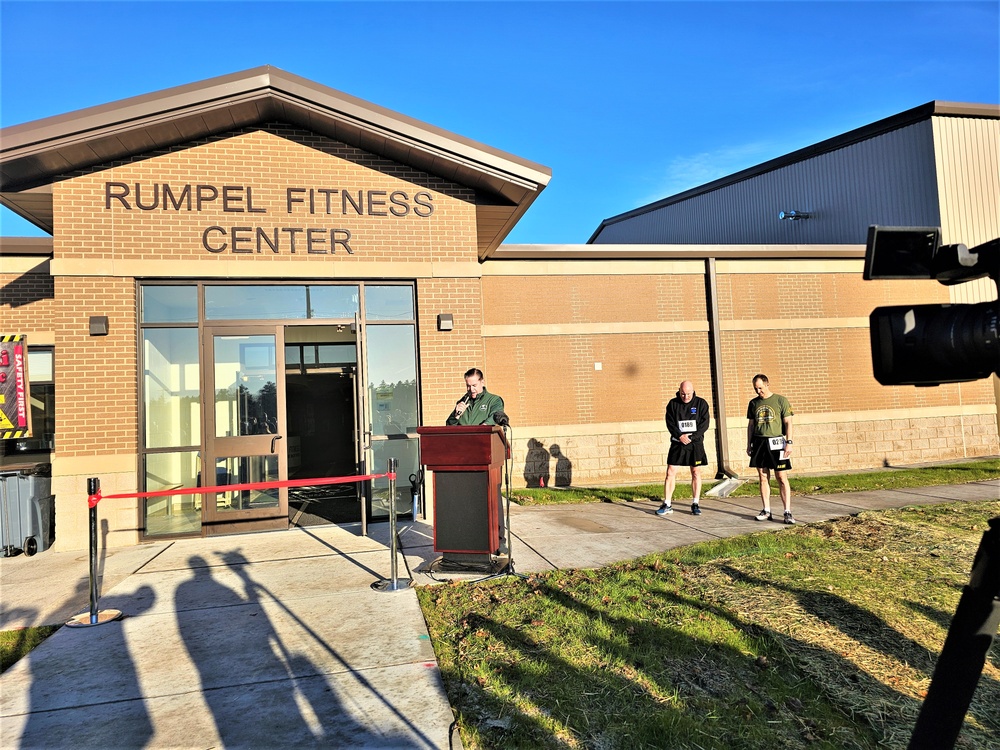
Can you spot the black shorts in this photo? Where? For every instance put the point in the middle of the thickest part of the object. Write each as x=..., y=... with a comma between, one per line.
x=762, y=457
x=692, y=454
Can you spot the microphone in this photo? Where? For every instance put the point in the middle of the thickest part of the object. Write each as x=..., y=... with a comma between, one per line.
x=501, y=419
x=465, y=398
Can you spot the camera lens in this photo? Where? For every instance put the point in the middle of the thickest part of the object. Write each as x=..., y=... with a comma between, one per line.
x=933, y=344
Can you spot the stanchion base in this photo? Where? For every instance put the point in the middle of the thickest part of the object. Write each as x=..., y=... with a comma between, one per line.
x=402, y=584
x=103, y=616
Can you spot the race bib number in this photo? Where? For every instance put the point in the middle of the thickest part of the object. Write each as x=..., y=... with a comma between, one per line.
x=776, y=444
x=687, y=425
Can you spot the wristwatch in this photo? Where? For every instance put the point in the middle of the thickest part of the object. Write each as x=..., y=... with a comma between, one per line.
x=788, y=442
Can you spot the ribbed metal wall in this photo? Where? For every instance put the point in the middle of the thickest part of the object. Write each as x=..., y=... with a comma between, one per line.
x=889, y=179
x=968, y=167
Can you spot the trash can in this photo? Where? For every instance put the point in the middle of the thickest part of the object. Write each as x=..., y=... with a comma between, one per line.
x=27, y=509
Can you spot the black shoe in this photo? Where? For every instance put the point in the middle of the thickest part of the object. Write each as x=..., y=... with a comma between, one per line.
x=695, y=509
x=764, y=515
x=788, y=518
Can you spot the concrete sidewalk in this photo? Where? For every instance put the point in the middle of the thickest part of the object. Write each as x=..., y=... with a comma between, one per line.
x=278, y=640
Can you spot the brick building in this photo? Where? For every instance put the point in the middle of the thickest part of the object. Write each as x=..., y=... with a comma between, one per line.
x=247, y=280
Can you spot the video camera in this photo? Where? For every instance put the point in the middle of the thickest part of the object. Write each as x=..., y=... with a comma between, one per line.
x=932, y=344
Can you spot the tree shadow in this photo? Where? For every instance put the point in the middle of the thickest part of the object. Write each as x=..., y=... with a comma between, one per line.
x=876, y=634
x=669, y=678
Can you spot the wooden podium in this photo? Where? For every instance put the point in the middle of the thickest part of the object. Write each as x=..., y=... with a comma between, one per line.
x=467, y=461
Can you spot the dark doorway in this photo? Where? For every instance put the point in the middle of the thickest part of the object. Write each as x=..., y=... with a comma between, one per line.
x=321, y=435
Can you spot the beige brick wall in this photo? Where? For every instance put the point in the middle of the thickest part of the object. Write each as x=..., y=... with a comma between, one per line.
x=867, y=440
x=27, y=300
x=446, y=355
x=622, y=454
x=802, y=324
x=97, y=391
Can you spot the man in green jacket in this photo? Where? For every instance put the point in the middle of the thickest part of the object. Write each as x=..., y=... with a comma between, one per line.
x=477, y=406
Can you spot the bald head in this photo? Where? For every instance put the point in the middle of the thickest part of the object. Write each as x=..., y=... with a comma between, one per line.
x=685, y=392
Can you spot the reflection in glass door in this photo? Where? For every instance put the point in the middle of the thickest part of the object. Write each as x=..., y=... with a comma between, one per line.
x=245, y=421
x=392, y=406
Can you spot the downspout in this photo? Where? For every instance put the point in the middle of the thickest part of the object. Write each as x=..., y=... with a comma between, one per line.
x=730, y=478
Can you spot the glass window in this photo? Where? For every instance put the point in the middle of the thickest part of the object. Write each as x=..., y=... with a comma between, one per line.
x=332, y=301
x=392, y=379
x=338, y=354
x=41, y=365
x=173, y=514
x=246, y=394
x=169, y=304
x=171, y=387
x=388, y=302
x=255, y=302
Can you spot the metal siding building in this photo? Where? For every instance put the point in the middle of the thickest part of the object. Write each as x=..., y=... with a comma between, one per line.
x=934, y=165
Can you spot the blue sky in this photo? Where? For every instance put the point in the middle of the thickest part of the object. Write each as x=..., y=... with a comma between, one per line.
x=626, y=102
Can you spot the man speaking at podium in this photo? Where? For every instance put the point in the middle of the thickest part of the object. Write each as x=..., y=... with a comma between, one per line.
x=477, y=406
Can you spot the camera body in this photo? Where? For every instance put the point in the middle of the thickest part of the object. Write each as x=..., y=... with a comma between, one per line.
x=926, y=345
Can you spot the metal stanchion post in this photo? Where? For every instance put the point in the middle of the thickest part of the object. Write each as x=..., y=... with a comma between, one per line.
x=93, y=617
x=393, y=584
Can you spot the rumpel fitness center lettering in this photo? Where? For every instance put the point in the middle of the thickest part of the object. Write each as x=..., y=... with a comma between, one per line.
x=239, y=199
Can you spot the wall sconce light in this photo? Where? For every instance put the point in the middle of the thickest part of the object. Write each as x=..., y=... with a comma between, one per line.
x=98, y=325
x=793, y=215
x=446, y=322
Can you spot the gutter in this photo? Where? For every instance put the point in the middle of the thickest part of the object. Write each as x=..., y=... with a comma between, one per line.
x=730, y=479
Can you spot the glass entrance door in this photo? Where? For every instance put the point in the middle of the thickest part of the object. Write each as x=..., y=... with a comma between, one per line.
x=323, y=422
x=244, y=424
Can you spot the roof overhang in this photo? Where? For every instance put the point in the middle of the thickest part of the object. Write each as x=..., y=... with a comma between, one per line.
x=36, y=154
x=679, y=252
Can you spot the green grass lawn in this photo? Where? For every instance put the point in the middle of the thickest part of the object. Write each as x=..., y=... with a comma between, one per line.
x=888, y=479
x=824, y=635
x=16, y=643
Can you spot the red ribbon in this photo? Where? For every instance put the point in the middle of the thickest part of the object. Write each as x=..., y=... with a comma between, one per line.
x=93, y=500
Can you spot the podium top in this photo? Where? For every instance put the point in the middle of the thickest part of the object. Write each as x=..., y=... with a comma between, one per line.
x=456, y=447
x=460, y=429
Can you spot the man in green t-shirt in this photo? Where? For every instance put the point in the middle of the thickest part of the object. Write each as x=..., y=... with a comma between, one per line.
x=769, y=445
x=477, y=406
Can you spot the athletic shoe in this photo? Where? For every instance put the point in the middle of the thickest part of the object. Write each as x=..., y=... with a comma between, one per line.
x=664, y=510
x=788, y=518
x=695, y=509
x=764, y=515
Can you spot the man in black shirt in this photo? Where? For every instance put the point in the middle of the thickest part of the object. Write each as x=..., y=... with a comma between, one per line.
x=687, y=418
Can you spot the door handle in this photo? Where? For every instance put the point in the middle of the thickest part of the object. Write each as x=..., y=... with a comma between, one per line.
x=276, y=437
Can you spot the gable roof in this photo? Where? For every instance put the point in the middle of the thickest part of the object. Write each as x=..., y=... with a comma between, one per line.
x=36, y=154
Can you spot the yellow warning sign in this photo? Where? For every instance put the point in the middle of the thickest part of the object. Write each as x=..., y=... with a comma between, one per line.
x=5, y=423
